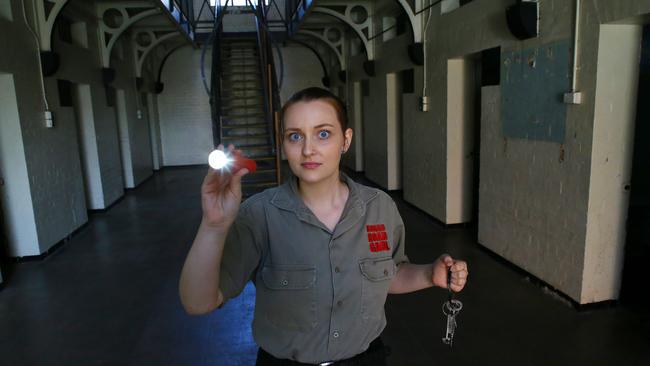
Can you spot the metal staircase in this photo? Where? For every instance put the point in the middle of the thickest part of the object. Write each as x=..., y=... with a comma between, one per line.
x=244, y=89
x=242, y=115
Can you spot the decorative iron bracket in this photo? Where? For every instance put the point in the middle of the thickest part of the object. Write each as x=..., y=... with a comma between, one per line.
x=115, y=19
x=334, y=38
x=355, y=14
x=145, y=41
x=46, y=13
x=416, y=20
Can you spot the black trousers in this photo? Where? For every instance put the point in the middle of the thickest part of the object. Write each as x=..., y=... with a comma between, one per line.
x=375, y=355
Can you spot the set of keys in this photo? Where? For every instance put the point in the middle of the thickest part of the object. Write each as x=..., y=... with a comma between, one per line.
x=450, y=308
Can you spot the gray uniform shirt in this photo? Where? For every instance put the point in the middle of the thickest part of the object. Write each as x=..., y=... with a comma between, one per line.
x=320, y=294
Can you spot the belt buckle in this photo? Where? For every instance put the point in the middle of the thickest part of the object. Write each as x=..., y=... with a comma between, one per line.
x=326, y=363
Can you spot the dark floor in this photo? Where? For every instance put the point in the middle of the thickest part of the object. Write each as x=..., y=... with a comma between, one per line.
x=109, y=297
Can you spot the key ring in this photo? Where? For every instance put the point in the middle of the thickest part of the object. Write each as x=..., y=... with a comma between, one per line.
x=452, y=307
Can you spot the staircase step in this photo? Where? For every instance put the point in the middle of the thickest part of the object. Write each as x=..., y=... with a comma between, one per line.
x=240, y=45
x=256, y=125
x=243, y=115
x=243, y=137
x=256, y=98
x=261, y=184
x=252, y=72
x=246, y=97
x=242, y=106
x=243, y=89
x=238, y=57
x=250, y=190
x=240, y=68
x=264, y=158
x=256, y=147
x=240, y=62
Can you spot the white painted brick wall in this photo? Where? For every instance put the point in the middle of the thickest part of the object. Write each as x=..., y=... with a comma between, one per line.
x=154, y=131
x=353, y=159
x=540, y=225
x=239, y=22
x=382, y=131
x=52, y=159
x=375, y=132
x=301, y=70
x=15, y=196
x=87, y=139
x=184, y=110
x=533, y=203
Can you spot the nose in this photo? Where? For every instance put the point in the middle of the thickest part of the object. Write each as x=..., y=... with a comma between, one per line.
x=308, y=147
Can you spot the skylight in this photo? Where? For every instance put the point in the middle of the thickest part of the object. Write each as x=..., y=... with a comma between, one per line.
x=232, y=2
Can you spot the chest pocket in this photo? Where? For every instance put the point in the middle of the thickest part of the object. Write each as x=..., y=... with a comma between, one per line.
x=287, y=297
x=376, y=276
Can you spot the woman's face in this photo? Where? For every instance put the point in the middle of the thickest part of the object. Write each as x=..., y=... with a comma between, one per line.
x=313, y=140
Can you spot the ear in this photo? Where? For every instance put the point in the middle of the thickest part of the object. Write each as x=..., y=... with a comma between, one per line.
x=348, y=139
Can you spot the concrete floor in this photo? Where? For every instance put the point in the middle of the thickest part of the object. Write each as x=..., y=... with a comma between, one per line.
x=109, y=297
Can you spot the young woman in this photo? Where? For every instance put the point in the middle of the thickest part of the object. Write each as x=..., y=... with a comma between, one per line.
x=322, y=250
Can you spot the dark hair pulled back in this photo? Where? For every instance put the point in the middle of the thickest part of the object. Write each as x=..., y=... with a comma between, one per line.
x=315, y=93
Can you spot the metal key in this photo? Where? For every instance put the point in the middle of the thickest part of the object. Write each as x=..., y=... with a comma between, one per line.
x=450, y=308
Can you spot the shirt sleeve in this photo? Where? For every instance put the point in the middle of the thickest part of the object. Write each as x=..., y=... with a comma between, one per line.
x=399, y=235
x=241, y=256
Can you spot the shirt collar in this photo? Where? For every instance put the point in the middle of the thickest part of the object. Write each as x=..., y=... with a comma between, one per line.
x=287, y=198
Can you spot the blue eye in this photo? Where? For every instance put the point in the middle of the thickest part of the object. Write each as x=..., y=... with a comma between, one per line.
x=323, y=134
x=294, y=136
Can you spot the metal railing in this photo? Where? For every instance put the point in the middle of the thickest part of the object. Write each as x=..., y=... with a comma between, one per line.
x=265, y=42
x=296, y=11
x=271, y=89
x=214, y=41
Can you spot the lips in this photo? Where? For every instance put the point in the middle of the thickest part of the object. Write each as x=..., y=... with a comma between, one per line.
x=310, y=165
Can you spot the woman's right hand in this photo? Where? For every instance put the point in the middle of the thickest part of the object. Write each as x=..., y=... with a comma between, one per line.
x=221, y=195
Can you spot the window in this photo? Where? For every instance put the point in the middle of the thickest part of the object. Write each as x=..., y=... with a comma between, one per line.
x=235, y=2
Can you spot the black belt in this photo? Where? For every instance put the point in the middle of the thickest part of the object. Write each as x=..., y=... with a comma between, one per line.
x=375, y=355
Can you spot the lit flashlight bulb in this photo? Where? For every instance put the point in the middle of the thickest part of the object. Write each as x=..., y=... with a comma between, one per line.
x=218, y=159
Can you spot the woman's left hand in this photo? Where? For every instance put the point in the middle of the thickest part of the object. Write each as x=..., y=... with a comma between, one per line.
x=459, y=272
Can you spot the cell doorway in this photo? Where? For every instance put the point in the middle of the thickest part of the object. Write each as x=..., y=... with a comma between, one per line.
x=465, y=78
x=637, y=246
x=87, y=142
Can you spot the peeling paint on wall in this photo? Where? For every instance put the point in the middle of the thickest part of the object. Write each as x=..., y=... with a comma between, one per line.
x=534, y=81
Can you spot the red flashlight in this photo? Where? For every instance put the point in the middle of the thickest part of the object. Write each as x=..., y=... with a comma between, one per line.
x=236, y=161
x=240, y=162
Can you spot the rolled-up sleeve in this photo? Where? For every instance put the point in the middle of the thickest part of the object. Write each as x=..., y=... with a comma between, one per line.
x=399, y=235
x=241, y=256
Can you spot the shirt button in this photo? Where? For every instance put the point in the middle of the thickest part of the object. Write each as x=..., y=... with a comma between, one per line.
x=285, y=282
x=385, y=272
x=339, y=303
x=337, y=269
x=335, y=334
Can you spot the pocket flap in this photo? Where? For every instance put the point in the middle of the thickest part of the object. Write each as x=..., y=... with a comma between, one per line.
x=378, y=269
x=281, y=278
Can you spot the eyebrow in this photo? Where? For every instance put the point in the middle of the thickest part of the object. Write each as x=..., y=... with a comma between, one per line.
x=315, y=127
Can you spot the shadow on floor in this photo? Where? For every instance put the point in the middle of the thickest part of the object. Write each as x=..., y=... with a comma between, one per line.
x=109, y=297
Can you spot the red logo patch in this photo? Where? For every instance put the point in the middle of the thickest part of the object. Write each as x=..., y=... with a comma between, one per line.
x=377, y=238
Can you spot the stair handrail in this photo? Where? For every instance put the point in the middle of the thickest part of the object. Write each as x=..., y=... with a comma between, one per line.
x=214, y=90
x=271, y=90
